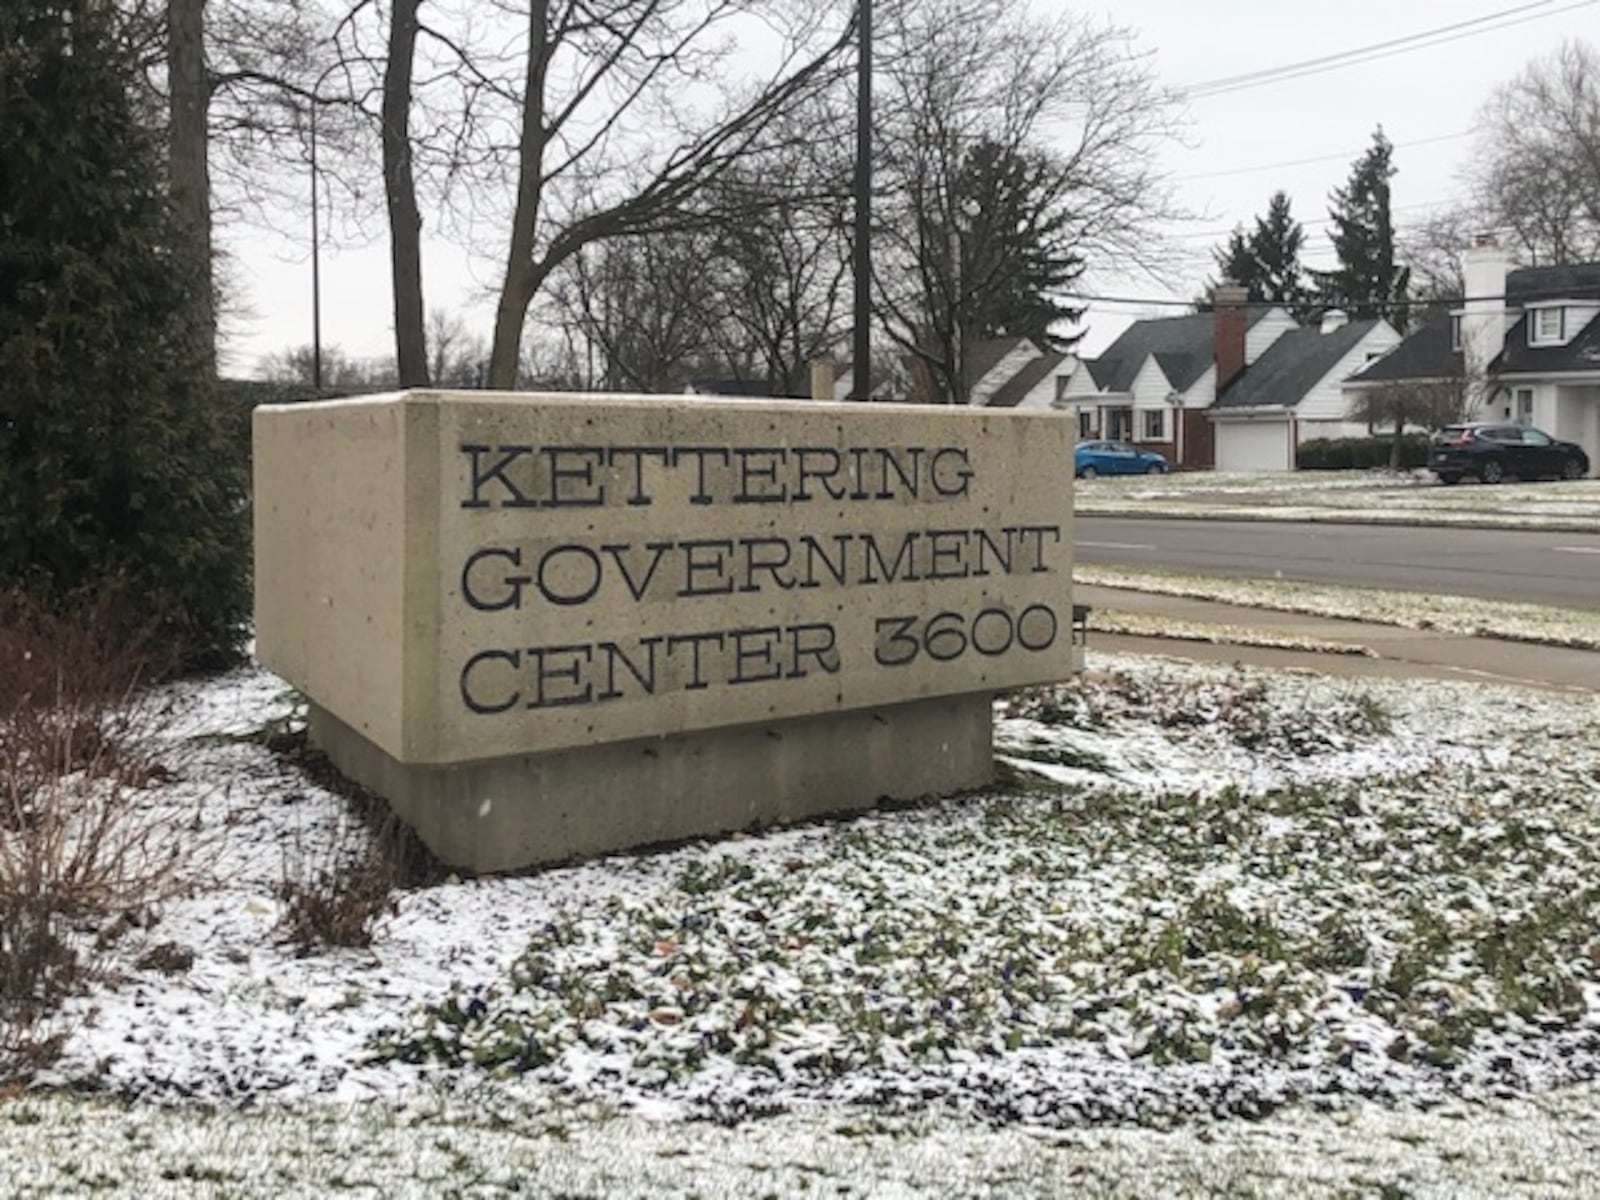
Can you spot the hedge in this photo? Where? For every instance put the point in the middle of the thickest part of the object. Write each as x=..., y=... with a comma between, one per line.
x=1355, y=454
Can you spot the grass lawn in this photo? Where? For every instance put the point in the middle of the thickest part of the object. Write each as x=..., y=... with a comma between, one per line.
x=1215, y=932
x=1367, y=496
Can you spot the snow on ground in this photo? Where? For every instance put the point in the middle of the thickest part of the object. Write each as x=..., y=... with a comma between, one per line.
x=1198, y=893
x=1541, y=1146
x=1215, y=633
x=1468, y=615
x=1382, y=497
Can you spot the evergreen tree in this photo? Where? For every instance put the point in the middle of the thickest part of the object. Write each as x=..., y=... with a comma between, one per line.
x=1016, y=255
x=1368, y=281
x=1266, y=262
x=116, y=457
x=1277, y=243
x=1237, y=263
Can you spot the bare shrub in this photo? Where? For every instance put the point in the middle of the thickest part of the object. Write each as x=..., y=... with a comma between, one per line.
x=79, y=746
x=334, y=895
x=335, y=891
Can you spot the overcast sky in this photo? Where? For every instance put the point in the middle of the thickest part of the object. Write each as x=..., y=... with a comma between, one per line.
x=1240, y=146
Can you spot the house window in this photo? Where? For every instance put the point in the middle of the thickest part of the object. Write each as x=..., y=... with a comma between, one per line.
x=1548, y=325
x=1524, y=406
x=1085, y=423
x=1455, y=331
x=1153, y=427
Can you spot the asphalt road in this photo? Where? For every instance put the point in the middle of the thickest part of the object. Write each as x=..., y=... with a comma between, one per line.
x=1560, y=569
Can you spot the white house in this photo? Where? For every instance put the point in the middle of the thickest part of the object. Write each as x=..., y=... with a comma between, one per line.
x=1239, y=387
x=1008, y=372
x=1526, y=342
x=1294, y=392
x=1153, y=384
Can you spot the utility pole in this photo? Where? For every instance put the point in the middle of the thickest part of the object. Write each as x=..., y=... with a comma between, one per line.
x=861, y=366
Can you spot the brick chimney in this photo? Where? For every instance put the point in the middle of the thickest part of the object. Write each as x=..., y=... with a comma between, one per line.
x=1231, y=317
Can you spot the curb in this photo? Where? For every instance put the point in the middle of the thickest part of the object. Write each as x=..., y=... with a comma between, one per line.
x=1429, y=521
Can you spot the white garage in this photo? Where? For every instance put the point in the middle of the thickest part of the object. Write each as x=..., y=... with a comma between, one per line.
x=1254, y=441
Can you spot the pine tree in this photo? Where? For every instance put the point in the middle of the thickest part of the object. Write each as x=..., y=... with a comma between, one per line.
x=1015, y=254
x=1237, y=263
x=116, y=455
x=1277, y=243
x=1368, y=281
x=1266, y=262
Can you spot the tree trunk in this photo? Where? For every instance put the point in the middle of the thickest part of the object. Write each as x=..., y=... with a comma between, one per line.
x=405, y=221
x=186, y=145
x=520, y=272
x=515, y=296
x=521, y=275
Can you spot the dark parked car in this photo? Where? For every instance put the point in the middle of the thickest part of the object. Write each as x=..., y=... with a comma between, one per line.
x=1115, y=458
x=1496, y=452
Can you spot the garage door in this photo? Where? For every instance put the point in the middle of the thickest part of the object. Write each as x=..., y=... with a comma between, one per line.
x=1253, y=446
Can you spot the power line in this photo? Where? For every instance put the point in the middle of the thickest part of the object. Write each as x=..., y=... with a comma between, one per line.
x=1314, y=221
x=1492, y=22
x=1321, y=158
x=1335, y=59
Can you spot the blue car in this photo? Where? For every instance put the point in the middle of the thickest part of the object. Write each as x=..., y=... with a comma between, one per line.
x=1115, y=458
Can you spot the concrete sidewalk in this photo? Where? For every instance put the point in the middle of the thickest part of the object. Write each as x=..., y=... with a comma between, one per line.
x=1398, y=653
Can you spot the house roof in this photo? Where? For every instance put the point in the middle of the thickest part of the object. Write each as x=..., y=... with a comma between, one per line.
x=1581, y=353
x=1103, y=371
x=1292, y=366
x=1034, y=372
x=730, y=387
x=1185, y=348
x=1564, y=282
x=1425, y=353
x=985, y=356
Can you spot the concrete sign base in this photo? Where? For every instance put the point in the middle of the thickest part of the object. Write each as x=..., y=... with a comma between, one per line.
x=522, y=810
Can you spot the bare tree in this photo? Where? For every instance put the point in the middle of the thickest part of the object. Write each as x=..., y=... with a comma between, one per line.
x=602, y=120
x=1536, y=169
x=405, y=220
x=340, y=372
x=1068, y=115
x=779, y=279
x=753, y=291
x=1432, y=248
x=232, y=83
x=553, y=364
x=640, y=310
x=455, y=359
x=1411, y=404
x=641, y=48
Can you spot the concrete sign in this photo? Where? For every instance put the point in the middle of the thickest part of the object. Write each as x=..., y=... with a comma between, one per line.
x=464, y=577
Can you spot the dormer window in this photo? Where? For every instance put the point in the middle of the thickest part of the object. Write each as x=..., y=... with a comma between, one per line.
x=1549, y=327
